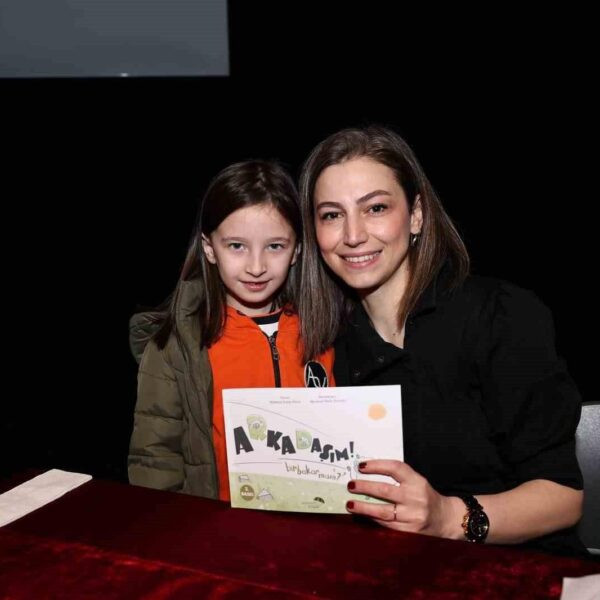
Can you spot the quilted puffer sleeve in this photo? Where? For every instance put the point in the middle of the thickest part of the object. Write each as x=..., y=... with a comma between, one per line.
x=155, y=455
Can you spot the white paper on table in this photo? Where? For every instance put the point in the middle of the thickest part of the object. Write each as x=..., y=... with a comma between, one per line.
x=581, y=588
x=296, y=449
x=37, y=492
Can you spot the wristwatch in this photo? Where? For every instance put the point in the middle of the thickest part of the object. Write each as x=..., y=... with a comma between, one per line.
x=475, y=522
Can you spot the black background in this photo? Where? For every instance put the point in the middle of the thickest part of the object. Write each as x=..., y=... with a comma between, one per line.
x=102, y=178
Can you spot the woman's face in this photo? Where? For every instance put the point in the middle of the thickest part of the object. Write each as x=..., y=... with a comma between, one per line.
x=363, y=224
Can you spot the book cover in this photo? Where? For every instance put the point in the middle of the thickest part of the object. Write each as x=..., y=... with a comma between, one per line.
x=296, y=449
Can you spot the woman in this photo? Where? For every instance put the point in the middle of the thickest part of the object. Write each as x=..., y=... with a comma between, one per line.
x=489, y=410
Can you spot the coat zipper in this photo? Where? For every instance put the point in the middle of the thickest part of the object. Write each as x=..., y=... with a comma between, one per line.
x=275, y=358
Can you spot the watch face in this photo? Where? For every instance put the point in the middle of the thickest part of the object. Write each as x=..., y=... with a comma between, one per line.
x=478, y=525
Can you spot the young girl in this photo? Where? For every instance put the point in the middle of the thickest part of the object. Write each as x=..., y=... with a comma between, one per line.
x=230, y=323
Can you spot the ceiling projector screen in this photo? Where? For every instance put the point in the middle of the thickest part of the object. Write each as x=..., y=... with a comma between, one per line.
x=113, y=38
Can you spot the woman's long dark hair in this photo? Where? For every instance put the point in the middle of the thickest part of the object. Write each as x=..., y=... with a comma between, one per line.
x=249, y=183
x=324, y=299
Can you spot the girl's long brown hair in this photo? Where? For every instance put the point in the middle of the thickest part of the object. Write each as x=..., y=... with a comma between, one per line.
x=240, y=185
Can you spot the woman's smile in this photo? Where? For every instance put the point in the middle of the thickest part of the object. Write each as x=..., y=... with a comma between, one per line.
x=361, y=261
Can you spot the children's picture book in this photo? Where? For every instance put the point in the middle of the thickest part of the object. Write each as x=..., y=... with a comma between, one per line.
x=296, y=449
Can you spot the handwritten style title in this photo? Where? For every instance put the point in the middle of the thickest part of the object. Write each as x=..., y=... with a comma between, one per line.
x=257, y=430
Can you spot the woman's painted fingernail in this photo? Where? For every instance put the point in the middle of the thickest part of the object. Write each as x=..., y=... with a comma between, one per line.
x=351, y=485
x=362, y=465
x=350, y=505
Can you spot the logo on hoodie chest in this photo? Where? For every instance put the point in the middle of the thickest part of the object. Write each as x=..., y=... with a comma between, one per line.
x=315, y=375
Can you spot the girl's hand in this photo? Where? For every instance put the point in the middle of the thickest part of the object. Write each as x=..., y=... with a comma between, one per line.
x=413, y=504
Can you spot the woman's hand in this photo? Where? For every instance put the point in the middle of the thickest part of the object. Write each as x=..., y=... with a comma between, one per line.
x=413, y=504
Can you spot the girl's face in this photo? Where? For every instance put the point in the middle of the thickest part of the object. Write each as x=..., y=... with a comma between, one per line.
x=253, y=249
x=363, y=224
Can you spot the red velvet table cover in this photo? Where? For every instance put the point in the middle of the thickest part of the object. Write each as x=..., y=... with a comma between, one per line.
x=108, y=540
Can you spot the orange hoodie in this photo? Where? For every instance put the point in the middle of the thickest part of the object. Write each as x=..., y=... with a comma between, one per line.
x=244, y=357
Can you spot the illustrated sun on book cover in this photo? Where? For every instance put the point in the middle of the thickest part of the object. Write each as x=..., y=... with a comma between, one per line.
x=296, y=449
